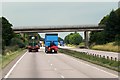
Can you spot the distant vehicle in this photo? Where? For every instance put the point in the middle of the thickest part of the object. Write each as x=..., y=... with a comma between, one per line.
x=51, y=43
x=61, y=43
x=41, y=43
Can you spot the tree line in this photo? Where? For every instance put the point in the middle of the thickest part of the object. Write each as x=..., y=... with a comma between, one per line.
x=10, y=39
x=111, y=32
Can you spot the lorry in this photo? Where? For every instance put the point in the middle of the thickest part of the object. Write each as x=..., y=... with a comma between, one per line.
x=61, y=43
x=51, y=43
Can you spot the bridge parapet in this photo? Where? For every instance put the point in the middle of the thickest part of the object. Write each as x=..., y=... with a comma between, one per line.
x=63, y=28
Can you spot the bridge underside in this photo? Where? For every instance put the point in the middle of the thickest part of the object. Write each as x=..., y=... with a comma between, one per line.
x=43, y=29
x=55, y=29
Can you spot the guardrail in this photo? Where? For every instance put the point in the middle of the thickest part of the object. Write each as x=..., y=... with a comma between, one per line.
x=107, y=55
x=105, y=61
x=102, y=56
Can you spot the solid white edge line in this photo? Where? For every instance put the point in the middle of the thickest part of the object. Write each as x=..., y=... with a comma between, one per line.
x=6, y=76
x=92, y=66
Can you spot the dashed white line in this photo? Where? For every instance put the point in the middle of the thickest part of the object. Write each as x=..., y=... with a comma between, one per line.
x=6, y=76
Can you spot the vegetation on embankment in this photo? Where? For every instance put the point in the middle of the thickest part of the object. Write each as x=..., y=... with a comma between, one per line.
x=10, y=56
x=107, y=40
x=107, y=47
x=102, y=61
x=111, y=32
x=81, y=45
x=112, y=46
x=10, y=40
x=12, y=44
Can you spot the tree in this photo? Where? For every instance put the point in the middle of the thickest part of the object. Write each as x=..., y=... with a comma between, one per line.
x=104, y=20
x=66, y=40
x=18, y=40
x=73, y=38
x=7, y=32
x=60, y=39
x=118, y=23
x=111, y=27
x=97, y=37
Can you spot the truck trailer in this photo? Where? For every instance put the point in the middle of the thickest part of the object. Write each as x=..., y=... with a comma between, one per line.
x=51, y=43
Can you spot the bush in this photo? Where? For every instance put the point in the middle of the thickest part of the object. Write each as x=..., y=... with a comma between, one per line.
x=111, y=30
x=7, y=32
x=113, y=46
x=73, y=38
x=117, y=39
x=9, y=49
x=16, y=41
x=97, y=38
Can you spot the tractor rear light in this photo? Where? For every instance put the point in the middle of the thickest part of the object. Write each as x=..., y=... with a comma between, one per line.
x=49, y=48
x=37, y=46
x=29, y=46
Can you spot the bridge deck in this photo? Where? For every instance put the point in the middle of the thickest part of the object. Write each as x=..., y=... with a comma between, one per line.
x=66, y=28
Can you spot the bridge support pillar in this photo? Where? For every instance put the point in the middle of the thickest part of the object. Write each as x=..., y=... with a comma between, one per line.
x=86, y=36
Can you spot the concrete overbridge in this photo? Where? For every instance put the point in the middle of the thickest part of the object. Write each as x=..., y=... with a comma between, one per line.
x=63, y=28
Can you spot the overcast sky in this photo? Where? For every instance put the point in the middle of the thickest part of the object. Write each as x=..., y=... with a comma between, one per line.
x=56, y=13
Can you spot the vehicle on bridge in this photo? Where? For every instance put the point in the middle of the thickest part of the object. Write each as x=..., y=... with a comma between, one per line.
x=51, y=43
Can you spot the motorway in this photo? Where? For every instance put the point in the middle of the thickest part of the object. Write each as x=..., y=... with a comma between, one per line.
x=42, y=65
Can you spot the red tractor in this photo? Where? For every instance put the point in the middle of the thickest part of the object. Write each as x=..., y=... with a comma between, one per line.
x=33, y=47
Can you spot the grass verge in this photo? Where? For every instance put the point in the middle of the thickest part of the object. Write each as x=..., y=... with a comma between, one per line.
x=111, y=64
x=6, y=59
x=107, y=47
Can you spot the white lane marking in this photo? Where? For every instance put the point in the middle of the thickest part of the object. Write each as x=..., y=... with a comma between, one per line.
x=6, y=76
x=62, y=76
x=91, y=66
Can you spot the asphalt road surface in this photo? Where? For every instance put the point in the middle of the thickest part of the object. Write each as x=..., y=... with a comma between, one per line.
x=42, y=65
x=97, y=52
